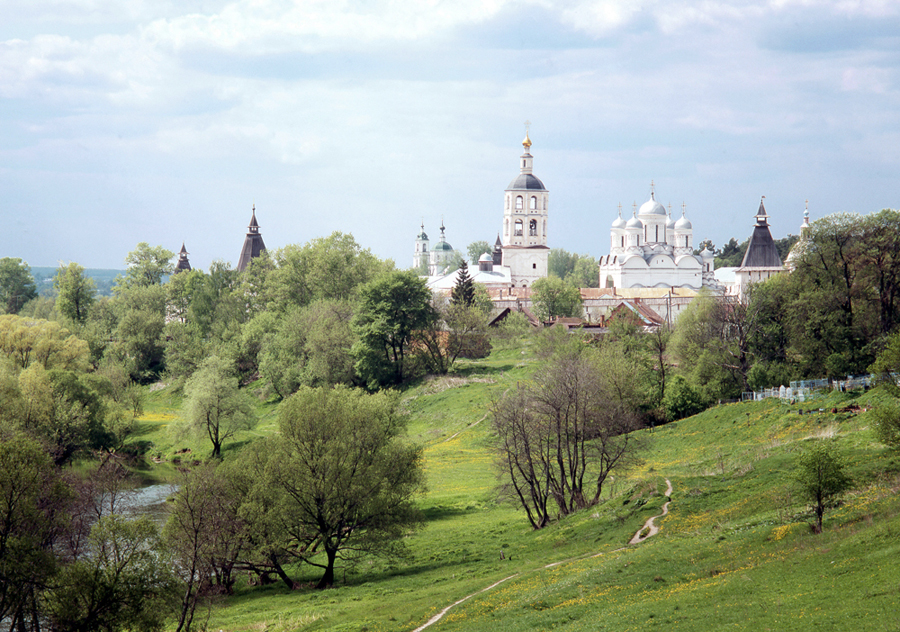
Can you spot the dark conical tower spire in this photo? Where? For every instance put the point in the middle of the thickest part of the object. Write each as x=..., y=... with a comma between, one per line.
x=253, y=244
x=761, y=251
x=183, y=264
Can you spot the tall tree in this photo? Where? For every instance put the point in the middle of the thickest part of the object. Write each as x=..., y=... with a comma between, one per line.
x=391, y=309
x=348, y=477
x=16, y=285
x=214, y=405
x=76, y=292
x=463, y=293
x=147, y=265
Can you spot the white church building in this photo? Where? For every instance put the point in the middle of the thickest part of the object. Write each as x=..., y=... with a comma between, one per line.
x=653, y=250
x=521, y=254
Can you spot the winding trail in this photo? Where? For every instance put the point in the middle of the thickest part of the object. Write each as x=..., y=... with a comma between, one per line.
x=649, y=526
x=440, y=614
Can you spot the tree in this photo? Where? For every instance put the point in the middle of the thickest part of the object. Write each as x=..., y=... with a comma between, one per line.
x=463, y=293
x=478, y=248
x=887, y=424
x=147, y=265
x=16, y=285
x=560, y=263
x=348, y=477
x=206, y=536
x=821, y=478
x=332, y=267
x=76, y=292
x=31, y=517
x=124, y=584
x=560, y=437
x=26, y=341
x=553, y=298
x=214, y=405
x=585, y=273
x=391, y=309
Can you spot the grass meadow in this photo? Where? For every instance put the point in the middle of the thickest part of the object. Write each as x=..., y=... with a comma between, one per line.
x=735, y=552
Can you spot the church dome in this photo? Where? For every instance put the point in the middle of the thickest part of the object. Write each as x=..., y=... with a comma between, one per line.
x=423, y=236
x=485, y=257
x=652, y=207
x=442, y=246
x=634, y=222
x=619, y=222
x=526, y=181
x=683, y=224
x=671, y=222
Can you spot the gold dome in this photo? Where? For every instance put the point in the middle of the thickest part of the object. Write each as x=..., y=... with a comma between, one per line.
x=527, y=142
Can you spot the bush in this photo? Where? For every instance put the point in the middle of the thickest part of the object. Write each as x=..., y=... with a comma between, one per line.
x=886, y=422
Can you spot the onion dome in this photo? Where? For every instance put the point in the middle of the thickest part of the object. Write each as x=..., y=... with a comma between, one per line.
x=619, y=222
x=652, y=207
x=485, y=257
x=670, y=223
x=683, y=223
x=635, y=223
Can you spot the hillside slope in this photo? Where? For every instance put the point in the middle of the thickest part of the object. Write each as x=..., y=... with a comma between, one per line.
x=735, y=550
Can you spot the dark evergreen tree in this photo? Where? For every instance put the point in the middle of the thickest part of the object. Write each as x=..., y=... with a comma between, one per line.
x=464, y=291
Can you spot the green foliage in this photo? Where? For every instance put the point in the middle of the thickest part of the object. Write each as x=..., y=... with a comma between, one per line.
x=577, y=270
x=463, y=292
x=391, y=309
x=76, y=292
x=125, y=584
x=31, y=517
x=26, y=342
x=214, y=405
x=309, y=345
x=348, y=479
x=147, y=265
x=682, y=400
x=821, y=478
x=332, y=267
x=478, y=248
x=886, y=422
x=554, y=298
x=16, y=285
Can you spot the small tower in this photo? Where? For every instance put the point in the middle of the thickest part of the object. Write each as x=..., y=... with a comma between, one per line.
x=441, y=255
x=420, y=256
x=183, y=265
x=761, y=261
x=253, y=244
x=498, y=252
x=799, y=249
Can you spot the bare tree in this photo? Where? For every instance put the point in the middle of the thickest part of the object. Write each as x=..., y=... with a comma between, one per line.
x=561, y=436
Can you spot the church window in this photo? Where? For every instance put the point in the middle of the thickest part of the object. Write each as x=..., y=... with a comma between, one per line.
x=534, y=266
x=532, y=228
x=518, y=232
x=519, y=202
x=534, y=202
x=657, y=233
x=623, y=241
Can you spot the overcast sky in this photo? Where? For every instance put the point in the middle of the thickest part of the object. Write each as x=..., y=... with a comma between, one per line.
x=166, y=120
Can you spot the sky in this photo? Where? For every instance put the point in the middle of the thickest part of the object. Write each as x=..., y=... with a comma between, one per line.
x=166, y=121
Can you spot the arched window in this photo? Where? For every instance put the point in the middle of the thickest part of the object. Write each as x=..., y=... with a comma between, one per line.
x=519, y=202
x=518, y=232
x=532, y=228
x=534, y=202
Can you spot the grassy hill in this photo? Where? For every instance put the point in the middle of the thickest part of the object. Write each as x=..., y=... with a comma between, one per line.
x=735, y=552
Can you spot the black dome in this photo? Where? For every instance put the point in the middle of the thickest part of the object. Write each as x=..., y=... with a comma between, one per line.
x=526, y=181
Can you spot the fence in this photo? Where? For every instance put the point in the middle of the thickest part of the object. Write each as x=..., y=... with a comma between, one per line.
x=804, y=390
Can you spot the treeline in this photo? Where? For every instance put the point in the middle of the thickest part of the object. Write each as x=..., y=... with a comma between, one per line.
x=324, y=327
x=831, y=317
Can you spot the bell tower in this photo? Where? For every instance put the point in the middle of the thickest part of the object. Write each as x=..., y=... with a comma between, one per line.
x=526, y=204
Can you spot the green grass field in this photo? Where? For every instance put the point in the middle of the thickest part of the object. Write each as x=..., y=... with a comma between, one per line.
x=735, y=552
